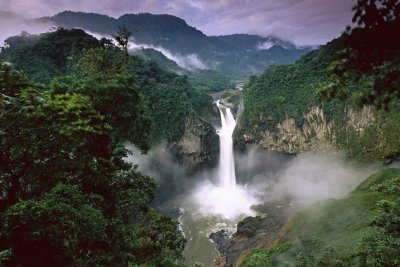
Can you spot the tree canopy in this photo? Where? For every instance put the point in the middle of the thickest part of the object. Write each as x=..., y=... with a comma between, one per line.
x=371, y=59
x=67, y=197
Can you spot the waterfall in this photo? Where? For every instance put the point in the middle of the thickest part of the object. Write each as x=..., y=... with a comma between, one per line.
x=224, y=198
x=226, y=173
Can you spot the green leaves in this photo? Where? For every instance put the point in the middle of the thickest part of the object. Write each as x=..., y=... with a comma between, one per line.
x=258, y=258
x=71, y=114
x=371, y=59
x=66, y=195
x=54, y=230
x=382, y=245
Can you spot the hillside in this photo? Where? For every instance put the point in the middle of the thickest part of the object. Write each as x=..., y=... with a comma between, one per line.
x=235, y=55
x=68, y=195
x=171, y=100
x=358, y=230
x=283, y=111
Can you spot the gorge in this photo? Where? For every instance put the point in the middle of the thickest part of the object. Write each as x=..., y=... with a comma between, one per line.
x=146, y=142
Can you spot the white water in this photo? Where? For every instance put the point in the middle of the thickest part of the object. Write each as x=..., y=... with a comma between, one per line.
x=226, y=172
x=224, y=198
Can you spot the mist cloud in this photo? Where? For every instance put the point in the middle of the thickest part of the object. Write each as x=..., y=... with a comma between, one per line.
x=14, y=26
x=262, y=176
x=189, y=62
x=305, y=22
x=312, y=177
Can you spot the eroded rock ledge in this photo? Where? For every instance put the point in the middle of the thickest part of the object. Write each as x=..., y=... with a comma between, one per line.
x=317, y=133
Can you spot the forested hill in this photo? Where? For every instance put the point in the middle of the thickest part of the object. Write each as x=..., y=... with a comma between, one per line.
x=283, y=109
x=235, y=55
x=170, y=98
x=68, y=197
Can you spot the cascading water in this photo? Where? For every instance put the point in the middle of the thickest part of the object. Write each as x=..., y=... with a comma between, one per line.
x=225, y=199
x=226, y=173
x=215, y=206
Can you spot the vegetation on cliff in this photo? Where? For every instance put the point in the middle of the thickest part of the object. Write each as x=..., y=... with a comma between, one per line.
x=284, y=91
x=361, y=229
x=356, y=65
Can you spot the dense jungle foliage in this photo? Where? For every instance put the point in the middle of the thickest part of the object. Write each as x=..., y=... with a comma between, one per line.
x=363, y=228
x=167, y=96
x=351, y=71
x=68, y=103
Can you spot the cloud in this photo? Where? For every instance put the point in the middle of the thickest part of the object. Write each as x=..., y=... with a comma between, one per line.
x=188, y=62
x=261, y=176
x=312, y=177
x=14, y=25
x=305, y=22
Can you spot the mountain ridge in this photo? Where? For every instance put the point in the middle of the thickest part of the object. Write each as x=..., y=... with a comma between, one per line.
x=237, y=55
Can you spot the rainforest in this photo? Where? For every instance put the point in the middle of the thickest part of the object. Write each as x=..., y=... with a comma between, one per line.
x=270, y=136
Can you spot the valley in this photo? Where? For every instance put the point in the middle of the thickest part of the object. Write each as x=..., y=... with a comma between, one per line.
x=139, y=140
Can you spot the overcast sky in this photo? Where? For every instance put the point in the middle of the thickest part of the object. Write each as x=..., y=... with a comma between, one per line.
x=304, y=22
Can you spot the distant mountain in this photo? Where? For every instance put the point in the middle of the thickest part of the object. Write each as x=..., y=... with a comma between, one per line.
x=162, y=61
x=167, y=31
x=250, y=42
x=237, y=55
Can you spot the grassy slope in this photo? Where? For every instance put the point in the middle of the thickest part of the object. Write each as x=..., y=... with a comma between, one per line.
x=336, y=223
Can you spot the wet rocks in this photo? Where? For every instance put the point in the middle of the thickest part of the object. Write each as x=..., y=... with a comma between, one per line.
x=252, y=232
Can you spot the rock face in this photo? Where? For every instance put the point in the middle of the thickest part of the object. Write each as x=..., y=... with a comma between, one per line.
x=358, y=120
x=252, y=233
x=317, y=133
x=198, y=145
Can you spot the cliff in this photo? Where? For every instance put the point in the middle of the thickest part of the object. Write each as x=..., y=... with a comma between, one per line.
x=283, y=111
x=316, y=133
x=198, y=146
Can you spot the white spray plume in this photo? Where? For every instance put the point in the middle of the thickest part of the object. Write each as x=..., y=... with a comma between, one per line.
x=312, y=177
x=262, y=175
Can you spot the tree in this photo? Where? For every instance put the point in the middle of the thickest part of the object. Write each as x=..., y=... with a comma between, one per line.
x=67, y=197
x=381, y=246
x=103, y=76
x=47, y=139
x=60, y=228
x=368, y=68
x=258, y=258
x=368, y=14
x=103, y=62
x=122, y=38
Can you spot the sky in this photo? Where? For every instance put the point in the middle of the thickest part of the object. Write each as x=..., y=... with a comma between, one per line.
x=304, y=22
